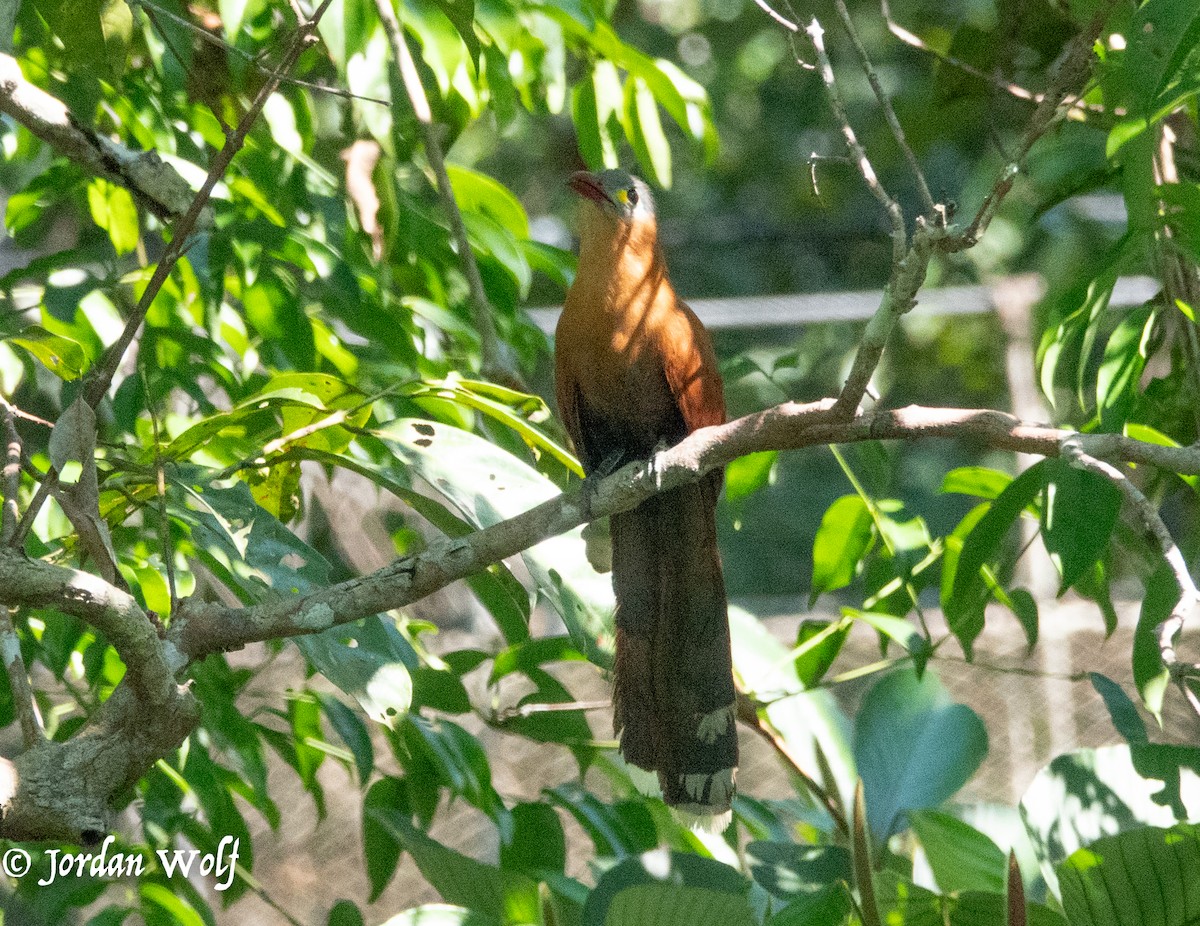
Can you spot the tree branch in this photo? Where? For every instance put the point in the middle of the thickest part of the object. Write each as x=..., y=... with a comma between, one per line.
x=885, y=104
x=203, y=628
x=153, y=184
x=816, y=35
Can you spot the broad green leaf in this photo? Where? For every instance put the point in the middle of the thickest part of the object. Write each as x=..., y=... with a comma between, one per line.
x=1161, y=36
x=436, y=914
x=1121, y=709
x=1078, y=518
x=113, y=210
x=788, y=869
x=667, y=888
x=477, y=192
x=747, y=475
x=345, y=913
x=1150, y=674
x=827, y=907
x=1088, y=794
x=661, y=904
x=817, y=646
x=968, y=588
x=644, y=130
x=980, y=481
x=370, y=661
x=913, y=748
x=487, y=485
x=353, y=733
x=840, y=543
x=62, y=356
x=381, y=845
x=962, y=858
x=898, y=630
x=537, y=844
x=809, y=721
x=507, y=896
x=1145, y=876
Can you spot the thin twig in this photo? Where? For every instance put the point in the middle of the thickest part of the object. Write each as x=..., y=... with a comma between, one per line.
x=816, y=35
x=160, y=485
x=10, y=481
x=101, y=376
x=495, y=359
x=748, y=714
x=889, y=113
x=1070, y=72
x=153, y=10
x=27, y=712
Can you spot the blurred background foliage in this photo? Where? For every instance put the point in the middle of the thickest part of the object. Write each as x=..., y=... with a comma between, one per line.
x=322, y=318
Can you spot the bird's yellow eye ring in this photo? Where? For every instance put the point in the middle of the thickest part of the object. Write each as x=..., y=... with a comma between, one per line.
x=621, y=196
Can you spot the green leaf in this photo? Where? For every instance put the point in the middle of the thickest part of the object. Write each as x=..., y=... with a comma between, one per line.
x=827, y=907
x=369, y=661
x=537, y=844
x=643, y=128
x=787, y=869
x=63, y=357
x=1150, y=674
x=1121, y=709
x=747, y=475
x=1146, y=876
x=900, y=631
x=1090, y=793
x=962, y=858
x=488, y=485
x=659, y=904
x=381, y=846
x=508, y=896
x=345, y=913
x=913, y=748
x=817, y=646
x=840, y=543
x=1161, y=36
x=980, y=481
x=662, y=888
x=436, y=914
x=966, y=580
x=353, y=733
x=477, y=192
x=113, y=210
x=1078, y=518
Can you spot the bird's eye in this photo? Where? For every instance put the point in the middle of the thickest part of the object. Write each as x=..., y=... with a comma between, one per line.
x=633, y=197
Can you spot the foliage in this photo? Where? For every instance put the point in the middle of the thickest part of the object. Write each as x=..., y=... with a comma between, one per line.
x=310, y=327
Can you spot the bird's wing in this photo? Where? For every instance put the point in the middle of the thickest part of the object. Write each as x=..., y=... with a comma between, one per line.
x=690, y=365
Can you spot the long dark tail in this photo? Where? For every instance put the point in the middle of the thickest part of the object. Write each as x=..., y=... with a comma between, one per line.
x=674, y=699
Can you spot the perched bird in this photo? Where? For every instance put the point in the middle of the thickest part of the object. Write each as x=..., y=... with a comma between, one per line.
x=636, y=372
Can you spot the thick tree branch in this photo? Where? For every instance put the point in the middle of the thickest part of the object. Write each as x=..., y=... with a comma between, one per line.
x=149, y=666
x=203, y=628
x=153, y=184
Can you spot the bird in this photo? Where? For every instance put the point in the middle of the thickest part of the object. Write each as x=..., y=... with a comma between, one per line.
x=635, y=371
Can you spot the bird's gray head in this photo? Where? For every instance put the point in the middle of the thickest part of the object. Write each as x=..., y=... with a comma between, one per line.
x=618, y=193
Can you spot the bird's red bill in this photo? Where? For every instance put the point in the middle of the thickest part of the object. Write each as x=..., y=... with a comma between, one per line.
x=587, y=186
